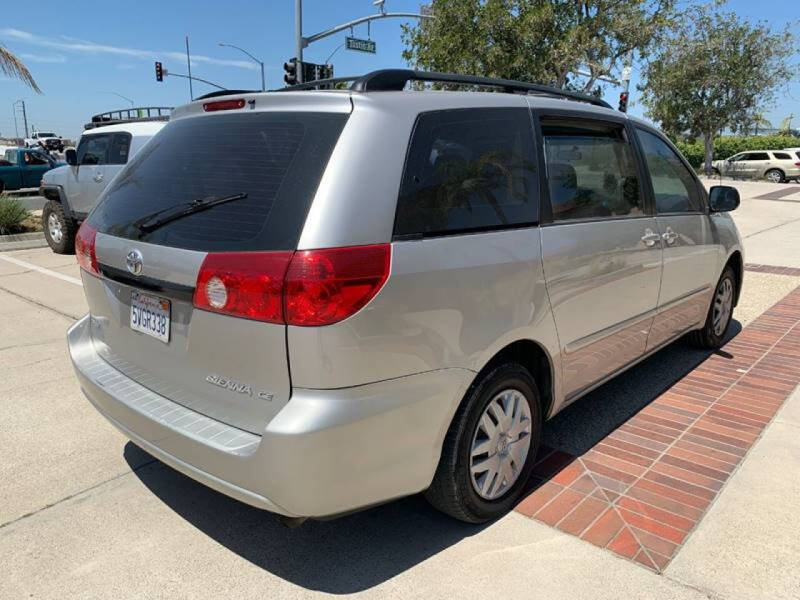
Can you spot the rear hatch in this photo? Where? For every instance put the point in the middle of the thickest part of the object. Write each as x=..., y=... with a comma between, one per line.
x=269, y=157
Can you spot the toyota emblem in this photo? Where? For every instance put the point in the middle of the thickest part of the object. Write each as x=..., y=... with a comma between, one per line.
x=134, y=262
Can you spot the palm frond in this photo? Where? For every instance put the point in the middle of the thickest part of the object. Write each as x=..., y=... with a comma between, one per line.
x=11, y=66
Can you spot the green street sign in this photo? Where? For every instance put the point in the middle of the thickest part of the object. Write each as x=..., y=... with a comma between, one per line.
x=352, y=43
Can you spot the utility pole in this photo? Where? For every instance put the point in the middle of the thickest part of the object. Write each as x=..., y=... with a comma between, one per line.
x=298, y=38
x=189, y=65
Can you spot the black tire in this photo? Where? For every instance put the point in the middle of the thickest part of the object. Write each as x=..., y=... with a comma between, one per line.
x=66, y=245
x=452, y=490
x=2, y=186
x=780, y=174
x=707, y=337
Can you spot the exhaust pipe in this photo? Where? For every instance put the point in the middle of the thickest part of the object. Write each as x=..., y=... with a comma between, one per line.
x=291, y=522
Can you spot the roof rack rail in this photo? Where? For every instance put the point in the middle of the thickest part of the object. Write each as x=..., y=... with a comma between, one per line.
x=130, y=115
x=396, y=79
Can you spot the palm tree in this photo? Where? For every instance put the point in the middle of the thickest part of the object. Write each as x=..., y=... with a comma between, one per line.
x=11, y=66
x=759, y=120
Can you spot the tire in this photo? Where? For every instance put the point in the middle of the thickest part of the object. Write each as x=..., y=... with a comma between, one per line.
x=775, y=176
x=454, y=488
x=2, y=186
x=715, y=172
x=59, y=230
x=710, y=337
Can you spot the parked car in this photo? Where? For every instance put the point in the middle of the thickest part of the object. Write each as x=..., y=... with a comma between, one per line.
x=316, y=301
x=47, y=140
x=776, y=166
x=73, y=189
x=24, y=168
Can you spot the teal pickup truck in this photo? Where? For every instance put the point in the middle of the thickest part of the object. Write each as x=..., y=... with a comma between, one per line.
x=24, y=167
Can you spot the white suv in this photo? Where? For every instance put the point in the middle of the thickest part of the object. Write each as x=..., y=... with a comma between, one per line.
x=72, y=190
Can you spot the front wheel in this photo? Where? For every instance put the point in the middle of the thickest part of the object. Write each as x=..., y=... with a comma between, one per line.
x=490, y=447
x=59, y=230
x=719, y=315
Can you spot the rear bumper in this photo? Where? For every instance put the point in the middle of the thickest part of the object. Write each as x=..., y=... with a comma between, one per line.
x=326, y=452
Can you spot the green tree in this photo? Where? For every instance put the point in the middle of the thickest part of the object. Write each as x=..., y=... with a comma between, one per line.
x=712, y=70
x=11, y=66
x=535, y=40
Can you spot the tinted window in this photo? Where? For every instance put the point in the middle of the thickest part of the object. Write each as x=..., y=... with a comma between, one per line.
x=34, y=158
x=674, y=187
x=781, y=156
x=755, y=156
x=93, y=149
x=468, y=170
x=591, y=172
x=120, y=145
x=276, y=158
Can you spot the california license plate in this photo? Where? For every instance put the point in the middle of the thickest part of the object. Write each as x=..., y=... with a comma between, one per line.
x=150, y=315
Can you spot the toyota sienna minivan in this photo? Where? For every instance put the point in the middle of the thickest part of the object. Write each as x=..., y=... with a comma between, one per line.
x=318, y=300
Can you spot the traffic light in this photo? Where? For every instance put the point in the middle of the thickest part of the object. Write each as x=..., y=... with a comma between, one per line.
x=623, y=101
x=159, y=72
x=290, y=68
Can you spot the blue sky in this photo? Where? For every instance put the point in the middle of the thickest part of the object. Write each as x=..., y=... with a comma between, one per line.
x=80, y=52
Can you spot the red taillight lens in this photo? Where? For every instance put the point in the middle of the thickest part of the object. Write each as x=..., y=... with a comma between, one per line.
x=223, y=105
x=243, y=284
x=326, y=286
x=84, y=248
x=797, y=164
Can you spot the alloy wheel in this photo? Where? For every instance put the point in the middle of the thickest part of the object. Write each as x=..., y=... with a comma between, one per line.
x=54, y=228
x=500, y=444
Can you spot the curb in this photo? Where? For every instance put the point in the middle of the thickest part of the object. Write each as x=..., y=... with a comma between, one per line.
x=22, y=241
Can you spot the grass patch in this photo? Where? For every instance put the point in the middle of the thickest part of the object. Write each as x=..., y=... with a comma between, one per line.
x=13, y=215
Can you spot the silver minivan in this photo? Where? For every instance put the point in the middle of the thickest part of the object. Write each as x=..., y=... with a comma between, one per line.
x=315, y=301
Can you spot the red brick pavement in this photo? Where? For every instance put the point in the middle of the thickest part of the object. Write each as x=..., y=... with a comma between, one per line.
x=641, y=490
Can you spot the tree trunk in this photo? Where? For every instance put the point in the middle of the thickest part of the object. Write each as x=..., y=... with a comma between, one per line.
x=708, y=140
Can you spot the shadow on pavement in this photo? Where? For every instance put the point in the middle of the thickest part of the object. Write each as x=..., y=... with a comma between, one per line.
x=359, y=551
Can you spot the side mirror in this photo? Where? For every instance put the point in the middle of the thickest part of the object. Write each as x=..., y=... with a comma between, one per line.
x=723, y=198
x=71, y=156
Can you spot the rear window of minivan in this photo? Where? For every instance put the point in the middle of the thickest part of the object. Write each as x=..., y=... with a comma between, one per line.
x=276, y=158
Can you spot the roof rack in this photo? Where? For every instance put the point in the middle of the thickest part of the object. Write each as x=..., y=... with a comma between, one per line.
x=386, y=80
x=130, y=115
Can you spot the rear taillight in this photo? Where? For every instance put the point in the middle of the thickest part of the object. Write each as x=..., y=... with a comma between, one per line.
x=243, y=284
x=85, y=248
x=305, y=288
x=797, y=164
x=326, y=286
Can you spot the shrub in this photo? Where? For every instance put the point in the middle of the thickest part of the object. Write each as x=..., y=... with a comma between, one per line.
x=12, y=214
x=727, y=146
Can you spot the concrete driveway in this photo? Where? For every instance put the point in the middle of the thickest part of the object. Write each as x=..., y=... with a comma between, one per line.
x=85, y=514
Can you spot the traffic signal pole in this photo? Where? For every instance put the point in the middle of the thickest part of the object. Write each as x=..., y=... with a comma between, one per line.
x=298, y=37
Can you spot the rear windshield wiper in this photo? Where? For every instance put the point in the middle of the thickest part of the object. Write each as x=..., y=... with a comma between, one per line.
x=154, y=221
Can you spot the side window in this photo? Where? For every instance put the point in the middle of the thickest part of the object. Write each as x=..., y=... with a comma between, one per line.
x=35, y=158
x=674, y=187
x=756, y=156
x=468, y=169
x=11, y=157
x=591, y=171
x=781, y=156
x=120, y=145
x=93, y=149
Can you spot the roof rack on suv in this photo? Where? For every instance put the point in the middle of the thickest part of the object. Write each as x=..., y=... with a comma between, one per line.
x=130, y=115
x=396, y=79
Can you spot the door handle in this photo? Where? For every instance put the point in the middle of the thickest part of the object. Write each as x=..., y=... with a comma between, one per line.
x=669, y=236
x=650, y=238
x=98, y=178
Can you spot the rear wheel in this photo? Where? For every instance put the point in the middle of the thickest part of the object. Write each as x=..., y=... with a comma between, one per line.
x=774, y=176
x=489, y=450
x=59, y=230
x=719, y=315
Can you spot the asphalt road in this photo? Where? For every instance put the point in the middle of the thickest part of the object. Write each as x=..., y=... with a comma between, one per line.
x=86, y=514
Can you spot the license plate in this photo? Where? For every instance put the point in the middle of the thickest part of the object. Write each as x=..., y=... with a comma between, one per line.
x=150, y=315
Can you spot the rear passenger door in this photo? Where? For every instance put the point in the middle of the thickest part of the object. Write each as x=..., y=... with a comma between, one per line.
x=691, y=253
x=600, y=247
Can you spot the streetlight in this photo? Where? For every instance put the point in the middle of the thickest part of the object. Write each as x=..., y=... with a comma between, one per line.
x=119, y=95
x=263, y=82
